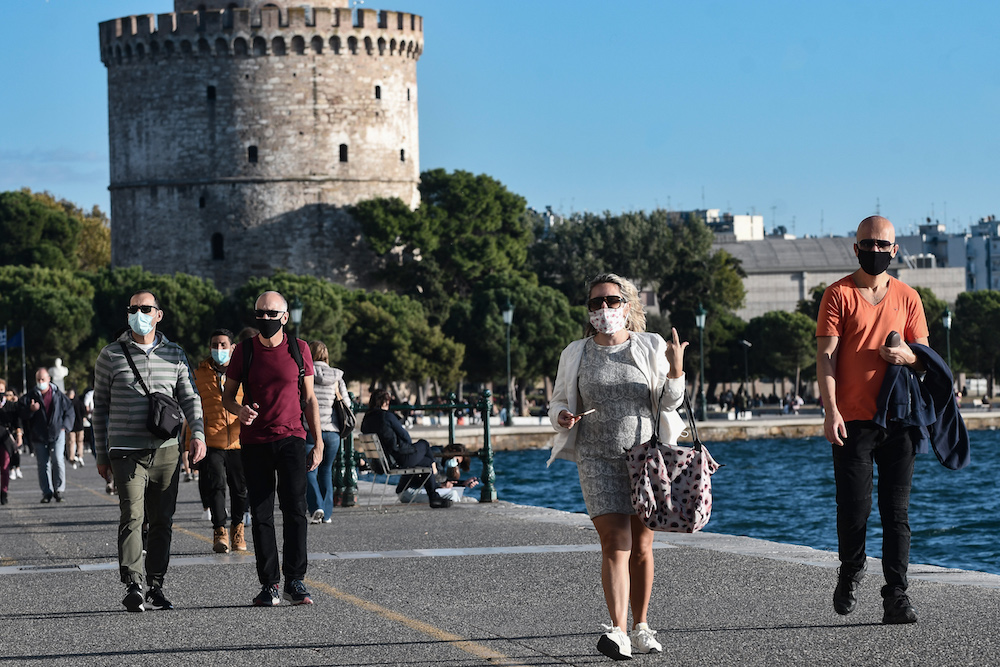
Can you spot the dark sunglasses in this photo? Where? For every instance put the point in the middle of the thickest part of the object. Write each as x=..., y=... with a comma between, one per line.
x=612, y=301
x=270, y=314
x=869, y=244
x=132, y=310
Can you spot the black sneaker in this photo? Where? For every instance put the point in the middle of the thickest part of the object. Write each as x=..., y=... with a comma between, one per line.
x=58, y=496
x=437, y=502
x=133, y=598
x=898, y=610
x=268, y=597
x=3, y=497
x=46, y=498
x=845, y=598
x=157, y=600
x=296, y=593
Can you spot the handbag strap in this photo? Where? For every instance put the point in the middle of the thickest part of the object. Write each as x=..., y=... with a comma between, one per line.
x=691, y=422
x=128, y=355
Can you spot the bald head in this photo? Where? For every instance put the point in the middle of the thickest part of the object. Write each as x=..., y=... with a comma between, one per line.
x=876, y=227
x=271, y=301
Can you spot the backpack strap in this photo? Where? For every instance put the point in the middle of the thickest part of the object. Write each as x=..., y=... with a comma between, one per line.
x=293, y=349
x=131, y=363
x=247, y=347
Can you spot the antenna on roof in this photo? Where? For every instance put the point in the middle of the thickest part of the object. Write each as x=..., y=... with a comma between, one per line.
x=878, y=207
x=821, y=222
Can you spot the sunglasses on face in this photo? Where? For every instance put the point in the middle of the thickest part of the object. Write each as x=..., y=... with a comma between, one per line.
x=612, y=301
x=270, y=314
x=146, y=310
x=869, y=244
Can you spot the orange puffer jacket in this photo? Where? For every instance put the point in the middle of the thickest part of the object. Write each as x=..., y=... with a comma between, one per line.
x=222, y=428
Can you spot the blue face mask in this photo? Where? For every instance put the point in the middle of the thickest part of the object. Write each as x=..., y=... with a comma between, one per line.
x=221, y=357
x=141, y=323
x=451, y=463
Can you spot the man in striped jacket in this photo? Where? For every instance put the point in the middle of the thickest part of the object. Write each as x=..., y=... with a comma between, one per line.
x=145, y=467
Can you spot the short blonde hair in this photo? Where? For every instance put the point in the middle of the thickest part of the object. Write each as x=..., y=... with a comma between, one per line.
x=319, y=351
x=636, y=313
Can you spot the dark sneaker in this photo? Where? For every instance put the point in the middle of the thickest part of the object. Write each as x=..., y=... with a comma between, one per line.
x=46, y=498
x=437, y=501
x=845, y=595
x=133, y=598
x=3, y=497
x=296, y=593
x=155, y=599
x=268, y=597
x=58, y=496
x=898, y=610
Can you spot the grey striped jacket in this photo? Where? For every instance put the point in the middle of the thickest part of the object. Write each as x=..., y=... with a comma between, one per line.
x=120, y=405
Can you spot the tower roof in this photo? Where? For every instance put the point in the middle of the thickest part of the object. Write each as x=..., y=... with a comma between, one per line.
x=255, y=5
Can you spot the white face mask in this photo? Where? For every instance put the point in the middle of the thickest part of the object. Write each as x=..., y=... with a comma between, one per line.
x=141, y=323
x=43, y=387
x=608, y=321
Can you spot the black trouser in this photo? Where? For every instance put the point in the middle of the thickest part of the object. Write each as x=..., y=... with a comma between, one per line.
x=219, y=468
x=282, y=462
x=420, y=457
x=894, y=451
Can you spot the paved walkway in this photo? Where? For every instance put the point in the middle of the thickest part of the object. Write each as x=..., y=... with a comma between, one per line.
x=493, y=584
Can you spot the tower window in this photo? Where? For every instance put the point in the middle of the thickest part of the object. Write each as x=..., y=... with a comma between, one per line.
x=201, y=201
x=378, y=92
x=211, y=93
x=252, y=154
x=343, y=152
x=402, y=155
x=218, y=247
x=317, y=44
x=407, y=94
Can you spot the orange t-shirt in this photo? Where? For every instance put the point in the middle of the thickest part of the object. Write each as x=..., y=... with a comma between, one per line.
x=862, y=329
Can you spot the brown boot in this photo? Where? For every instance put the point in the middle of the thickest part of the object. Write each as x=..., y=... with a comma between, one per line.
x=239, y=540
x=221, y=545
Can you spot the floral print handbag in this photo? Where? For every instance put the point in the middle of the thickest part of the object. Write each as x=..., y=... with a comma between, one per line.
x=672, y=485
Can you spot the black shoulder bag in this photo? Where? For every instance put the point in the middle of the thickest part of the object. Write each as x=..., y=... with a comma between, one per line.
x=165, y=417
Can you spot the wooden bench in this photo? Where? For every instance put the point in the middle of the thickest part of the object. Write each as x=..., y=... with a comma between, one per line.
x=370, y=447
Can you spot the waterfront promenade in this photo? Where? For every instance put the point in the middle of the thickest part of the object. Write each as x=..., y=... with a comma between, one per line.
x=477, y=584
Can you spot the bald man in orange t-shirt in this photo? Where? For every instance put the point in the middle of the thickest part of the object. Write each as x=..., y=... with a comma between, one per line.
x=856, y=316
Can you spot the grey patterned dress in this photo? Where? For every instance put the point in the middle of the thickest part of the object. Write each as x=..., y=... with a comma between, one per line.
x=610, y=381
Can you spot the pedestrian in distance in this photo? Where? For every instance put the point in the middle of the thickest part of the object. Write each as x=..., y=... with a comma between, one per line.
x=857, y=313
x=10, y=439
x=48, y=417
x=74, y=452
x=145, y=467
x=609, y=388
x=327, y=383
x=276, y=373
x=223, y=462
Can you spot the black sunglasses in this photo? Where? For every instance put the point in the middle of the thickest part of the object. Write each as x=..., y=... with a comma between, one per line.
x=132, y=310
x=271, y=314
x=612, y=301
x=869, y=244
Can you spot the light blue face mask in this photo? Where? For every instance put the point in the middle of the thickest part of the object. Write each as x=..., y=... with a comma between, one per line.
x=221, y=357
x=451, y=463
x=141, y=323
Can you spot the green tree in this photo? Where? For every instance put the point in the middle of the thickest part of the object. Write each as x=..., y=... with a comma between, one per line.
x=783, y=344
x=55, y=308
x=977, y=320
x=934, y=310
x=467, y=227
x=36, y=230
x=810, y=307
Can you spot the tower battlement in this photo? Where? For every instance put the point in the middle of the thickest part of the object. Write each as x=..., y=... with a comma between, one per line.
x=261, y=31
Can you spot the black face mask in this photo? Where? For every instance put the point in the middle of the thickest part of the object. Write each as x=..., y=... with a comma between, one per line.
x=874, y=263
x=268, y=328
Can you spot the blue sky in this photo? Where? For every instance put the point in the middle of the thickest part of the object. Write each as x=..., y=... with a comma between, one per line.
x=809, y=113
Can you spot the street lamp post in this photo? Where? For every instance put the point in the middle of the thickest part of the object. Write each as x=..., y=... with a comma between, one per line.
x=508, y=319
x=699, y=319
x=746, y=368
x=295, y=313
x=946, y=320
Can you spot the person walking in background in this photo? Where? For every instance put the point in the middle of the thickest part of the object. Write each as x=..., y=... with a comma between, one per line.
x=628, y=378
x=10, y=438
x=223, y=463
x=145, y=467
x=11, y=403
x=48, y=416
x=276, y=372
x=74, y=453
x=856, y=315
x=328, y=382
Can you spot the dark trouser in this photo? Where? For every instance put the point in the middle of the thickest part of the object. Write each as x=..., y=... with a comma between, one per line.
x=283, y=461
x=421, y=457
x=146, y=480
x=219, y=468
x=894, y=451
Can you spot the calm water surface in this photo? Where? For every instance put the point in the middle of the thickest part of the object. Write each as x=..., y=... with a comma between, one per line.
x=782, y=490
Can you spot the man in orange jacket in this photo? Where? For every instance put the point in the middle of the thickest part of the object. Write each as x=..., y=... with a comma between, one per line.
x=222, y=463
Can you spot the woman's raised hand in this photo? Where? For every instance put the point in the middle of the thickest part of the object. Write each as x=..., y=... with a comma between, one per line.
x=675, y=354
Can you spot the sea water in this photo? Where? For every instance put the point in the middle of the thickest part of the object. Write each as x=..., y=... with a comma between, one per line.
x=782, y=490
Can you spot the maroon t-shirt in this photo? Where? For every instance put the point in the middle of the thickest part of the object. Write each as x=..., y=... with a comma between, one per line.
x=274, y=386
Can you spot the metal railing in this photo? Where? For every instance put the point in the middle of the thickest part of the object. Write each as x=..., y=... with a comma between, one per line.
x=345, y=472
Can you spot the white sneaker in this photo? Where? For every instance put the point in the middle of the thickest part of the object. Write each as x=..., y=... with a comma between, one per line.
x=18, y=472
x=207, y=515
x=317, y=517
x=614, y=643
x=643, y=639
x=75, y=466
x=81, y=462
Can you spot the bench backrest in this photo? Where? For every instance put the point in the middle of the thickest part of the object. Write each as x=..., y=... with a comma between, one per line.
x=369, y=445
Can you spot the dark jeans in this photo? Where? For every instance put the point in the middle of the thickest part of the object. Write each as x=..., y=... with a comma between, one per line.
x=421, y=457
x=222, y=467
x=853, y=464
x=282, y=462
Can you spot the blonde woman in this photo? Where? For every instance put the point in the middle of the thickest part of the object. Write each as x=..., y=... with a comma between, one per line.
x=607, y=394
x=319, y=482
